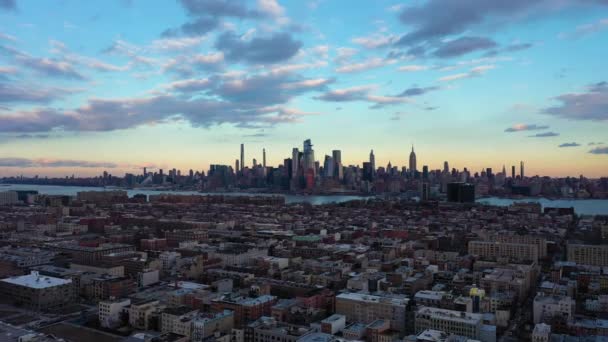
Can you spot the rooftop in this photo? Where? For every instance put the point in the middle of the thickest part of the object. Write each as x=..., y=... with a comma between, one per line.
x=36, y=281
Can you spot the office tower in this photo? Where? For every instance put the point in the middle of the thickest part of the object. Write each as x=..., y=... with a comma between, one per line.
x=425, y=172
x=367, y=171
x=242, y=156
x=504, y=171
x=160, y=171
x=254, y=162
x=446, y=168
x=328, y=167
x=309, y=157
x=237, y=165
x=145, y=172
x=489, y=173
x=338, y=171
x=513, y=171
x=521, y=169
x=295, y=162
x=372, y=161
x=461, y=192
x=288, y=163
x=413, y=161
x=425, y=191
x=264, y=160
x=191, y=173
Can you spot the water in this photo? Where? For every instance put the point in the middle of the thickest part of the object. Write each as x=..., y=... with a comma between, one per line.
x=581, y=206
x=584, y=207
x=73, y=190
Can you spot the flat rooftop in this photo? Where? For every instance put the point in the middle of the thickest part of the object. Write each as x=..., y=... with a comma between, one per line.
x=36, y=281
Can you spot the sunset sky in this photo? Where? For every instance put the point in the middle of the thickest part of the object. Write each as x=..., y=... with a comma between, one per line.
x=115, y=85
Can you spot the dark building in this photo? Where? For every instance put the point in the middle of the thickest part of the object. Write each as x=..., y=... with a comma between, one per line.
x=461, y=192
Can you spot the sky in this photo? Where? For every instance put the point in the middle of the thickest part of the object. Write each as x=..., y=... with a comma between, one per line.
x=116, y=85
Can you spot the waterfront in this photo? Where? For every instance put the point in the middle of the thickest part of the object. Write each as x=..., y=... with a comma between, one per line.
x=582, y=207
x=73, y=190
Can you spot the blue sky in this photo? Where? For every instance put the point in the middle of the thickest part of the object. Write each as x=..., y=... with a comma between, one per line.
x=119, y=84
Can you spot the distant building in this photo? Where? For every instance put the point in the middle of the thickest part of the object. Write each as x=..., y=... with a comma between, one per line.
x=461, y=192
x=454, y=322
x=8, y=197
x=594, y=255
x=547, y=307
x=111, y=312
x=37, y=292
x=363, y=308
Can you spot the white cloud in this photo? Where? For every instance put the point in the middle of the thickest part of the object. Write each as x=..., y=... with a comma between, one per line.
x=411, y=68
x=368, y=64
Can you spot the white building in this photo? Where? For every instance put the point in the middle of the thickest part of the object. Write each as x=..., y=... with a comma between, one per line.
x=545, y=307
x=454, y=322
x=110, y=312
x=541, y=333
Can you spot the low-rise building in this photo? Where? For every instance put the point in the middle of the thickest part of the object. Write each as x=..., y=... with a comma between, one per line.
x=37, y=292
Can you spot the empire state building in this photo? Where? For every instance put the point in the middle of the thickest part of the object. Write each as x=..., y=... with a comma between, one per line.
x=413, y=161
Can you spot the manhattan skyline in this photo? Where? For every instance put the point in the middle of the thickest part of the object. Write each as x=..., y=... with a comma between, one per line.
x=128, y=84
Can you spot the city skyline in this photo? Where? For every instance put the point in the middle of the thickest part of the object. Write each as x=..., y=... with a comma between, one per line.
x=83, y=89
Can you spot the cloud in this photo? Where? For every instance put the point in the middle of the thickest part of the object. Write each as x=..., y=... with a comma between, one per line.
x=462, y=46
x=206, y=15
x=9, y=5
x=7, y=36
x=585, y=30
x=525, y=127
x=233, y=98
x=375, y=41
x=187, y=65
x=383, y=101
x=346, y=95
x=417, y=91
x=591, y=104
x=51, y=67
x=361, y=93
x=599, y=150
x=275, y=48
x=16, y=93
x=371, y=63
x=473, y=72
x=595, y=143
x=412, y=68
x=196, y=27
x=544, y=135
x=572, y=144
x=190, y=85
x=270, y=8
x=344, y=54
x=27, y=163
x=176, y=43
x=517, y=47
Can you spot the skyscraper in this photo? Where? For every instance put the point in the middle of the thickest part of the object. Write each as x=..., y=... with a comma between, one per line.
x=513, y=171
x=446, y=168
x=264, y=160
x=237, y=165
x=413, y=161
x=425, y=172
x=521, y=169
x=308, y=161
x=295, y=162
x=242, y=156
x=337, y=156
x=372, y=162
x=328, y=167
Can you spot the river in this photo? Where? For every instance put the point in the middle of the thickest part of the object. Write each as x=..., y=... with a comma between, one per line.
x=584, y=207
